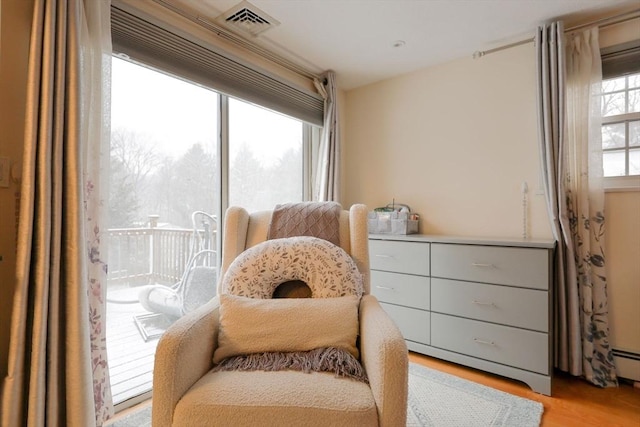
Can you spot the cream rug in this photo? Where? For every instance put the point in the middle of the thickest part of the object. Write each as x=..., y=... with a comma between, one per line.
x=437, y=399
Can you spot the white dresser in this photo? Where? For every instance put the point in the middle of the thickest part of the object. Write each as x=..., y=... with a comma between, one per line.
x=484, y=303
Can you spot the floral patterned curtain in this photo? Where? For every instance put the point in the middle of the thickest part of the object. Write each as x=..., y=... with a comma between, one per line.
x=584, y=199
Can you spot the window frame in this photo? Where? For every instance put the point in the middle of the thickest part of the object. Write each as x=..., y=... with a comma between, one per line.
x=622, y=182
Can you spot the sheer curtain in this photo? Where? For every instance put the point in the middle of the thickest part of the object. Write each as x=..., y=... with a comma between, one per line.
x=571, y=157
x=327, y=182
x=57, y=373
x=584, y=195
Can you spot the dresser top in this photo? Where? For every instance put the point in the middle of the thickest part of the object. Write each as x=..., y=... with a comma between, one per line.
x=484, y=241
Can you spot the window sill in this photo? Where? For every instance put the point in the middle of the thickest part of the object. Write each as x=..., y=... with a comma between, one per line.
x=615, y=184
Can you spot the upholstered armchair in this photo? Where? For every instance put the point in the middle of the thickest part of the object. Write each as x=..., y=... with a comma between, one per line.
x=188, y=391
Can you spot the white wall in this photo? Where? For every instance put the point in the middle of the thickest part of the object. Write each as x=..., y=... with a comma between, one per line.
x=455, y=142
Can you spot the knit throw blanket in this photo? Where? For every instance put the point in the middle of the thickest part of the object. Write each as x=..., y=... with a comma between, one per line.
x=316, y=219
x=330, y=359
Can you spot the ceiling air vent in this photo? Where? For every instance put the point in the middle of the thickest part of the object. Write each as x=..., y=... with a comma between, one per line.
x=247, y=18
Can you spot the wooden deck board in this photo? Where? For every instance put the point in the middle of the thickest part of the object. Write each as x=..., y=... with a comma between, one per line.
x=130, y=357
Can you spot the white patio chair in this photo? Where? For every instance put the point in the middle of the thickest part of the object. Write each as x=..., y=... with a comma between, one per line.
x=196, y=286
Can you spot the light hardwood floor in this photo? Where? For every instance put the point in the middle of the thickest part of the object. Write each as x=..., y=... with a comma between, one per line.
x=574, y=402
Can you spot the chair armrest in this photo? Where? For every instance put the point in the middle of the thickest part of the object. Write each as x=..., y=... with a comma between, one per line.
x=385, y=357
x=184, y=354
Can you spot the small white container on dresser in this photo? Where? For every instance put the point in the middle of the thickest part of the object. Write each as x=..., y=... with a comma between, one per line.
x=484, y=303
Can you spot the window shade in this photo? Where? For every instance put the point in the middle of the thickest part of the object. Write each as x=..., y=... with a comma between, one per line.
x=158, y=47
x=620, y=59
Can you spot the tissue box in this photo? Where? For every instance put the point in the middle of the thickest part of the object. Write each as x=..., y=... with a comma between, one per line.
x=392, y=223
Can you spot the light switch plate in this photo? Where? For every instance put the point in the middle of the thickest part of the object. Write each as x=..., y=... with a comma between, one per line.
x=5, y=164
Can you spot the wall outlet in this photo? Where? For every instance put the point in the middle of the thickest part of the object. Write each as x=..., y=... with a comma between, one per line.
x=5, y=172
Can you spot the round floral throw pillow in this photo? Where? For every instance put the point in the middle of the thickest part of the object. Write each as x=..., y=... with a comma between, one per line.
x=327, y=269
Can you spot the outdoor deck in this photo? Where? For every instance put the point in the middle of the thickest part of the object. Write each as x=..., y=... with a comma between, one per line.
x=137, y=257
x=130, y=356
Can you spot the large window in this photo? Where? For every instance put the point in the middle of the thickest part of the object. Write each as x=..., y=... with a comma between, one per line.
x=205, y=131
x=178, y=149
x=163, y=167
x=621, y=125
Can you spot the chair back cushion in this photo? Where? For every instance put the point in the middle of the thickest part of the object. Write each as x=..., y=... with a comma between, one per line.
x=317, y=219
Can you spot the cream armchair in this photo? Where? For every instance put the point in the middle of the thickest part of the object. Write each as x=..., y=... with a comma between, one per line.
x=187, y=393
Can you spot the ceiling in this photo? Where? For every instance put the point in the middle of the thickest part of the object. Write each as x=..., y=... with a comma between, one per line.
x=358, y=38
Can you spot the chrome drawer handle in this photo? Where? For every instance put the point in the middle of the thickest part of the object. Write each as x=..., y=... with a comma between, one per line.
x=479, y=264
x=384, y=256
x=483, y=303
x=479, y=341
x=386, y=288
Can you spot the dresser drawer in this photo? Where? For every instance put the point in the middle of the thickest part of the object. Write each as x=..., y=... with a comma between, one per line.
x=401, y=257
x=523, y=267
x=401, y=289
x=524, y=308
x=414, y=324
x=502, y=344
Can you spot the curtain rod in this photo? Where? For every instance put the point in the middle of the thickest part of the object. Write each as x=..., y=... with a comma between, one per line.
x=606, y=22
x=480, y=53
x=602, y=23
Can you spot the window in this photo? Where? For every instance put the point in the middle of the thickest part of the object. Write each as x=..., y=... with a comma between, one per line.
x=164, y=148
x=193, y=129
x=168, y=172
x=621, y=115
x=163, y=168
x=621, y=125
x=266, y=157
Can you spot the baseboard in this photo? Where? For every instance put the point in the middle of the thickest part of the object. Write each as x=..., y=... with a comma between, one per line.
x=627, y=364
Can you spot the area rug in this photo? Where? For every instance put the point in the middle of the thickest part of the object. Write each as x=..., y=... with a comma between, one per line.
x=437, y=399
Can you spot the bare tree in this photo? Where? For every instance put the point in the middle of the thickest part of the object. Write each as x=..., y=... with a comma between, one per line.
x=133, y=160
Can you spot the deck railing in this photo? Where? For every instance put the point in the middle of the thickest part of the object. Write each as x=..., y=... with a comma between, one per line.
x=149, y=255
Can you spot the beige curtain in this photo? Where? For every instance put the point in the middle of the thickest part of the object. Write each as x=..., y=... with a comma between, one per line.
x=327, y=182
x=550, y=60
x=57, y=373
x=569, y=79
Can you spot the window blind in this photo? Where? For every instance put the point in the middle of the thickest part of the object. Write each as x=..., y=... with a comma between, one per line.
x=154, y=45
x=620, y=59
